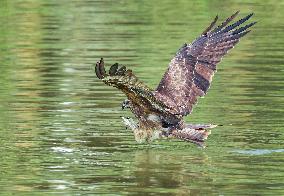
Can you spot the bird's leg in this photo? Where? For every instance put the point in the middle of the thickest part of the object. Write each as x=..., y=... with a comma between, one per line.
x=141, y=135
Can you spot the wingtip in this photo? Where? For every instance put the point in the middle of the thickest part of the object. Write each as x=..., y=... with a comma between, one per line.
x=102, y=67
x=99, y=69
x=210, y=26
x=244, y=33
x=216, y=17
x=248, y=16
x=226, y=22
x=253, y=23
x=113, y=69
x=235, y=14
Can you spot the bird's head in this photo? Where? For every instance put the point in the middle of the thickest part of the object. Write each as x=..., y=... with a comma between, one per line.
x=125, y=104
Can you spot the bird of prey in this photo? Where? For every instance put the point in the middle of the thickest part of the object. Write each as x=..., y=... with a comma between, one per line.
x=160, y=112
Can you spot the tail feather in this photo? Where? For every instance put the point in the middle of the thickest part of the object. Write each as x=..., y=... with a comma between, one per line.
x=201, y=126
x=196, y=136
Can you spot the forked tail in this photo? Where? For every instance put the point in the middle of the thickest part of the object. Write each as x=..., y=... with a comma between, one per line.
x=196, y=134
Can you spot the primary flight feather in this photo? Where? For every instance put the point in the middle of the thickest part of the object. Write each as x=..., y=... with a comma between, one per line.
x=189, y=75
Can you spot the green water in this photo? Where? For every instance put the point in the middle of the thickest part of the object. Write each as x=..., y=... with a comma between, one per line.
x=61, y=132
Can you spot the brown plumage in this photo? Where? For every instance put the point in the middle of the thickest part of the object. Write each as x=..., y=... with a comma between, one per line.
x=188, y=77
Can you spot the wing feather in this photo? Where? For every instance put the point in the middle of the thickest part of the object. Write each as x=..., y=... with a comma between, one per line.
x=113, y=69
x=226, y=22
x=190, y=72
x=128, y=83
x=211, y=25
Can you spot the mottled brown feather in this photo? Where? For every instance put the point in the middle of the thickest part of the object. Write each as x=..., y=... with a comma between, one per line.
x=190, y=72
x=188, y=77
x=142, y=97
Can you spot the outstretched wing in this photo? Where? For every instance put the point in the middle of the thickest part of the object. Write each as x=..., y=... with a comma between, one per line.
x=190, y=72
x=127, y=82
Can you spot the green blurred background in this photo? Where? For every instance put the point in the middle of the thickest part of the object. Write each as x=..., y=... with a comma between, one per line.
x=61, y=131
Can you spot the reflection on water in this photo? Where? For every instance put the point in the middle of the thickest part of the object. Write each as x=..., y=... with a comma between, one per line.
x=61, y=130
x=258, y=151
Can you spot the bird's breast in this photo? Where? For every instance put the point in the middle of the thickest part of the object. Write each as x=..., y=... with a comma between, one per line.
x=154, y=118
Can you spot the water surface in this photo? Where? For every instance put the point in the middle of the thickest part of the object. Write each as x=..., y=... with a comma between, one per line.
x=61, y=131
